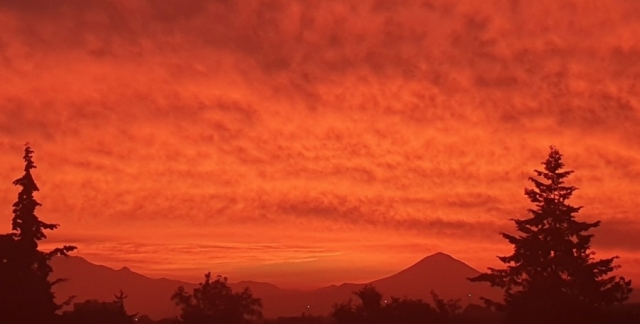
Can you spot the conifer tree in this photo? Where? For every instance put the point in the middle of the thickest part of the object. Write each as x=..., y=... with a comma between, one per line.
x=119, y=300
x=25, y=289
x=552, y=275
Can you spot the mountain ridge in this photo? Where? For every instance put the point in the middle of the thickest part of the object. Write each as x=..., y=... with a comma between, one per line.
x=151, y=296
x=438, y=272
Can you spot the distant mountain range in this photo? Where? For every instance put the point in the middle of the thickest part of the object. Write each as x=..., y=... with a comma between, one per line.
x=438, y=272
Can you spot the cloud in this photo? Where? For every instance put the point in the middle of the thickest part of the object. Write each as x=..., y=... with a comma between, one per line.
x=384, y=120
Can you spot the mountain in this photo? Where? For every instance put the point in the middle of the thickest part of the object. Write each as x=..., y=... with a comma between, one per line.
x=439, y=272
x=90, y=281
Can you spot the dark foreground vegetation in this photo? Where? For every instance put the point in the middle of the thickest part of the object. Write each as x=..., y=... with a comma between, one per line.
x=551, y=277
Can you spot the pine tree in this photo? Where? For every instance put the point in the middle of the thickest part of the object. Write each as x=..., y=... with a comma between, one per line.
x=25, y=289
x=552, y=276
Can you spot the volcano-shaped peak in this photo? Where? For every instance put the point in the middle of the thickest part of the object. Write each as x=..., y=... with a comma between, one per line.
x=438, y=266
x=439, y=256
x=439, y=272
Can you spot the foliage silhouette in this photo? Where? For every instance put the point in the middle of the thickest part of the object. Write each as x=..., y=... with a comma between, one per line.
x=97, y=312
x=119, y=300
x=25, y=289
x=405, y=311
x=371, y=300
x=214, y=302
x=446, y=307
x=552, y=277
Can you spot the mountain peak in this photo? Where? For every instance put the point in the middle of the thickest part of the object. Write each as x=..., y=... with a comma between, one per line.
x=439, y=272
x=439, y=259
x=438, y=265
x=439, y=255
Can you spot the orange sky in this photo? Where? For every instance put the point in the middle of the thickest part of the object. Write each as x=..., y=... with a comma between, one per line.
x=314, y=142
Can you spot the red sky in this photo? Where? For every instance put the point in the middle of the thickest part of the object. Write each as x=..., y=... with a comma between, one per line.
x=314, y=142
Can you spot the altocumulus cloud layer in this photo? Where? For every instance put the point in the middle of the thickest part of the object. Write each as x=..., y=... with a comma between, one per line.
x=262, y=139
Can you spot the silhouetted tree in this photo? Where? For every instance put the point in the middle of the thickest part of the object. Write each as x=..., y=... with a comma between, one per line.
x=96, y=312
x=119, y=300
x=371, y=300
x=552, y=277
x=215, y=302
x=410, y=311
x=345, y=313
x=25, y=289
x=405, y=310
x=369, y=311
x=446, y=308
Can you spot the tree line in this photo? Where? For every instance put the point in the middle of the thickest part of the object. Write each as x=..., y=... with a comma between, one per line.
x=552, y=275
